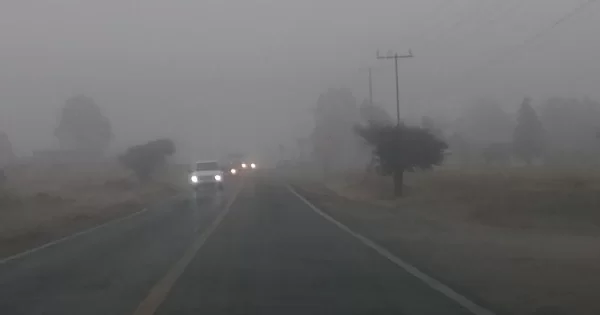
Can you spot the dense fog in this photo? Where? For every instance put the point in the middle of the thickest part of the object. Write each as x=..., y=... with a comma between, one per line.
x=246, y=75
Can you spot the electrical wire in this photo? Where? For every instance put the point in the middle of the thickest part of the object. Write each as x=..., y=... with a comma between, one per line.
x=502, y=15
x=537, y=36
x=443, y=6
x=465, y=19
x=514, y=50
x=479, y=21
x=510, y=11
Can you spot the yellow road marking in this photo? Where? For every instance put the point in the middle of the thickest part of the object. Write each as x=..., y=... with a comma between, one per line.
x=161, y=289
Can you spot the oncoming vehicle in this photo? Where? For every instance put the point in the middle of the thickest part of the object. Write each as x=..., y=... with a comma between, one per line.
x=248, y=166
x=232, y=168
x=233, y=163
x=237, y=164
x=207, y=175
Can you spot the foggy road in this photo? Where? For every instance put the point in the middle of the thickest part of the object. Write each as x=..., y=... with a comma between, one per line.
x=259, y=249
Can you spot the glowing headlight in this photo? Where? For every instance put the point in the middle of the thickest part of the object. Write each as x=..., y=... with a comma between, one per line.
x=194, y=179
x=244, y=165
x=252, y=165
x=233, y=171
x=218, y=178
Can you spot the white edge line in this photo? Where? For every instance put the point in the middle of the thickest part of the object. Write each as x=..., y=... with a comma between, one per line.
x=69, y=237
x=431, y=282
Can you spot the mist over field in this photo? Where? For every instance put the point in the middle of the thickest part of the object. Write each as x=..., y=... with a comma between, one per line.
x=246, y=75
x=481, y=164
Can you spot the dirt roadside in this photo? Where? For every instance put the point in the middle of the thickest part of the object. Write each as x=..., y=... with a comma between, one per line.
x=511, y=271
x=42, y=204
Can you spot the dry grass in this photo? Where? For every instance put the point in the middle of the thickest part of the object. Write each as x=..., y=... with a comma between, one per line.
x=39, y=203
x=565, y=201
x=523, y=239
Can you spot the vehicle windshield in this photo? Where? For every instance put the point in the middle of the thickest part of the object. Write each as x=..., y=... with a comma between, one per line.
x=207, y=166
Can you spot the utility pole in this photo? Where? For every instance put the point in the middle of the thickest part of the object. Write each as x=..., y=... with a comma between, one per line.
x=395, y=56
x=370, y=88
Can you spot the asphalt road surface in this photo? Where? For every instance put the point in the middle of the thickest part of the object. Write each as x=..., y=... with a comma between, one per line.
x=255, y=249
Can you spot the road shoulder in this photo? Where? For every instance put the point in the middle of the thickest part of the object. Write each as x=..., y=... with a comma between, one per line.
x=476, y=264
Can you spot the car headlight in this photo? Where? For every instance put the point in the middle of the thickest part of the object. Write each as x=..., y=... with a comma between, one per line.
x=218, y=178
x=252, y=165
x=233, y=171
x=244, y=165
x=194, y=179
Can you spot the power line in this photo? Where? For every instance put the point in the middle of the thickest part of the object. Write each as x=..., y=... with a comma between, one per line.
x=479, y=17
x=466, y=18
x=560, y=21
x=508, y=12
x=529, y=41
x=443, y=6
x=502, y=14
x=512, y=51
x=516, y=48
x=537, y=36
x=494, y=17
x=438, y=26
x=501, y=10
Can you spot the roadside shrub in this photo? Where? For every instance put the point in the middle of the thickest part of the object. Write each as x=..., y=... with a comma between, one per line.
x=144, y=160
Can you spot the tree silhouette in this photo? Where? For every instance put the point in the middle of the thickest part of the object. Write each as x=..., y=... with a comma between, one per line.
x=145, y=159
x=401, y=148
x=528, y=137
x=82, y=126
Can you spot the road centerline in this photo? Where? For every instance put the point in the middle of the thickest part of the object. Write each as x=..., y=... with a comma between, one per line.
x=158, y=293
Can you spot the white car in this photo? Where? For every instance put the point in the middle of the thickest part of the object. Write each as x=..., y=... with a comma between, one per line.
x=207, y=174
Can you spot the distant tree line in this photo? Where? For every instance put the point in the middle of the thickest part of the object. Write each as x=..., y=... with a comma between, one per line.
x=83, y=130
x=557, y=130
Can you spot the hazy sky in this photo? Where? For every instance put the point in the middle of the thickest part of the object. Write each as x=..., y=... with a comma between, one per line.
x=252, y=69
